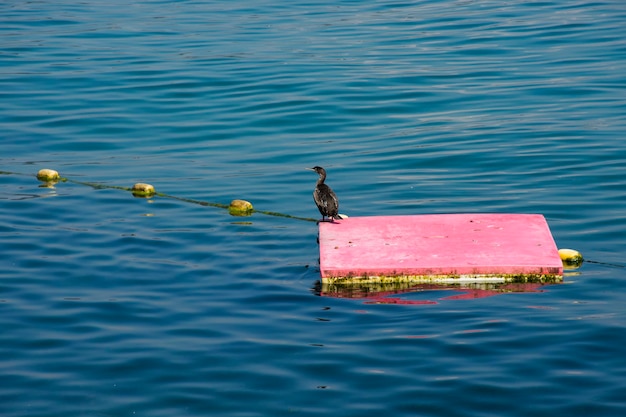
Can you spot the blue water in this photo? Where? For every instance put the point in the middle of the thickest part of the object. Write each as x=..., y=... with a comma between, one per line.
x=112, y=305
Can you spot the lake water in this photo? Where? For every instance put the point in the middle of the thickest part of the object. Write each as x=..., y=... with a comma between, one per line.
x=112, y=305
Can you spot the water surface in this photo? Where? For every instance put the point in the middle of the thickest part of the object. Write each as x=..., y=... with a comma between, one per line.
x=119, y=306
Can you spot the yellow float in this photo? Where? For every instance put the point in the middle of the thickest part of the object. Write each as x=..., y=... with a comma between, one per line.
x=48, y=175
x=143, y=190
x=240, y=208
x=571, y=258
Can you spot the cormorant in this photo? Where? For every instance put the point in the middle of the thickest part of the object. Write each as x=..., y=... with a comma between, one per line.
x=324, y=197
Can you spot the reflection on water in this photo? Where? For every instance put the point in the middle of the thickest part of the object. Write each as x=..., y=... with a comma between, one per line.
x=386, y=293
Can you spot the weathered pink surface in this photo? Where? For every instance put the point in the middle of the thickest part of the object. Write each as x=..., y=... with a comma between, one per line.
x=438, y=245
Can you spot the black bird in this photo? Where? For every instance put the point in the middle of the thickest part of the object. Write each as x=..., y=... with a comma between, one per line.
x=324, y=197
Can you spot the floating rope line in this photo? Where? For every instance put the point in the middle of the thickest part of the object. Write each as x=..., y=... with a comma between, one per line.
x=605, y=264
x=571, y=258
x=241, y=208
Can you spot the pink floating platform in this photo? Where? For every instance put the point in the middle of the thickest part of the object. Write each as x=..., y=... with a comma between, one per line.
x=439, y=248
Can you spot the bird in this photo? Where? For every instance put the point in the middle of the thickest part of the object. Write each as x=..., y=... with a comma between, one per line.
x=324, y=197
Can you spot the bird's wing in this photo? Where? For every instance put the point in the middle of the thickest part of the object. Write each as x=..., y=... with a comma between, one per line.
x=335, y=200
x=319, y=202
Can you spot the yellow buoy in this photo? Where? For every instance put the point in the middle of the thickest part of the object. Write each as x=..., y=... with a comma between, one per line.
x=48, y=175
x=240, y=208
x=571, y=258
x=143, y=190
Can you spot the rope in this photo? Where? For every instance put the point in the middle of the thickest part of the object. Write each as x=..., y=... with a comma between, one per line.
x=53, y=179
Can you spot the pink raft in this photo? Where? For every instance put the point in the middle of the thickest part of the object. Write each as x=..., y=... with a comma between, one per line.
x=439, y=248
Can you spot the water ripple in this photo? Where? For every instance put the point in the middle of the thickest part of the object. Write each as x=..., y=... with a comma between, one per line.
x=114, y=305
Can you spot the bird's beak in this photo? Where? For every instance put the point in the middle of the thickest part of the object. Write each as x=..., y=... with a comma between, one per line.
x=310, y=169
